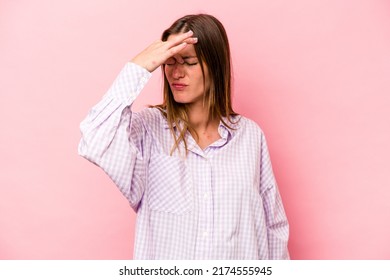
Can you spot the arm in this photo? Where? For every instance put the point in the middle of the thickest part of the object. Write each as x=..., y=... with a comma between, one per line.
x=105, y=132
x=112, y=136
x=277, y=224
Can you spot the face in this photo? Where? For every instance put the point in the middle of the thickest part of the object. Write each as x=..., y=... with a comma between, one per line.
x=184, y=75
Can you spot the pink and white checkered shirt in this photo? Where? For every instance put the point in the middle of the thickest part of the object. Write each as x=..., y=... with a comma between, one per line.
x=218, y=203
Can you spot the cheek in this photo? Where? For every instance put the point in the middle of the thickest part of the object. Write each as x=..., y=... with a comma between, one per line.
x=203, y=81
x=167, y=72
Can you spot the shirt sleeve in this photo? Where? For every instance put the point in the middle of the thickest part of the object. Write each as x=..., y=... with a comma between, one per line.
x=106, y=131
x=277, y=224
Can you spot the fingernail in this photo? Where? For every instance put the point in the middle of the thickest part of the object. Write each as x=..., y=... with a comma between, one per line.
x=190, y=32
x=195, y=40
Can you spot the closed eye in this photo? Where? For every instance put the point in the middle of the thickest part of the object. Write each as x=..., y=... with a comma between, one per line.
x=187, y=61
x=191, y=64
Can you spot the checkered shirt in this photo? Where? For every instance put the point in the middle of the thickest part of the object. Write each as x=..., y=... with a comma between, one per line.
x=218, y=203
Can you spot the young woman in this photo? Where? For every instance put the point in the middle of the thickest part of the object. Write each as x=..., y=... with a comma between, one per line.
x=198, y=175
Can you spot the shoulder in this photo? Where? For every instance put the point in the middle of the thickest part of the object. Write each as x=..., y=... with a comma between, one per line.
x=245, y=131
x=248, y=125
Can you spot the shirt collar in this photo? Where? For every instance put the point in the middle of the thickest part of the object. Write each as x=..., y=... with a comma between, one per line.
x=231, y=126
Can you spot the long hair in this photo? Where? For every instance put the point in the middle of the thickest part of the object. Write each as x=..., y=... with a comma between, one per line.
x=213, y=49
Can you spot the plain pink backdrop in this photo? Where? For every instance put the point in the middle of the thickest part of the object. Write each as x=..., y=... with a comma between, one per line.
x=315, y=75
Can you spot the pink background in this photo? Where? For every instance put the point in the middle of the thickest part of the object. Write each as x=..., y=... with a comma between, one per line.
x=314, y=74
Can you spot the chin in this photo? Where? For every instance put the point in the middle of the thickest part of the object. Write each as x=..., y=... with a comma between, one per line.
x=181, y=101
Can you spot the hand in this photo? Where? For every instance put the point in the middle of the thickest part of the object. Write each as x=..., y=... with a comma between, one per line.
x=159, y=51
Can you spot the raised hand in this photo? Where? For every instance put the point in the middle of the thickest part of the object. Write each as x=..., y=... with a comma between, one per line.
x=158, y=52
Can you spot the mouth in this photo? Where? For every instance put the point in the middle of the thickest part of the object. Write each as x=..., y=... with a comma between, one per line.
x=178, y=86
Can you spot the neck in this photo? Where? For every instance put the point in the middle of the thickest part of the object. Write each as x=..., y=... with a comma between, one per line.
x=200, y=121
x=199, y=117
x=205, y=129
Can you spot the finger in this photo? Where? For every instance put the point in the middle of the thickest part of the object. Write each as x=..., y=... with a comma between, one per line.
x=176, y=49
x=192, y=40
x=179, y=59
x=173, y=41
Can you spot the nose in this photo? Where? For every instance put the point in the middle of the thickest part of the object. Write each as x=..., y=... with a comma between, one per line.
x=178, y=71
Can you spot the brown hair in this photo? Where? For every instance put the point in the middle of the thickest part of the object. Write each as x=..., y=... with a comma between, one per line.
x=213, y=50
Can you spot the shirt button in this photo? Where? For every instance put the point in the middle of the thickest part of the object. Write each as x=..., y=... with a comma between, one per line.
x=205, y=234
x=206, y=196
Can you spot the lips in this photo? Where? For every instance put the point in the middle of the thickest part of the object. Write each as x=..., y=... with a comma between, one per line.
x=178, y=86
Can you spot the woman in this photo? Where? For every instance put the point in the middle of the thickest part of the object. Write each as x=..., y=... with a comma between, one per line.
x=197, y=174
